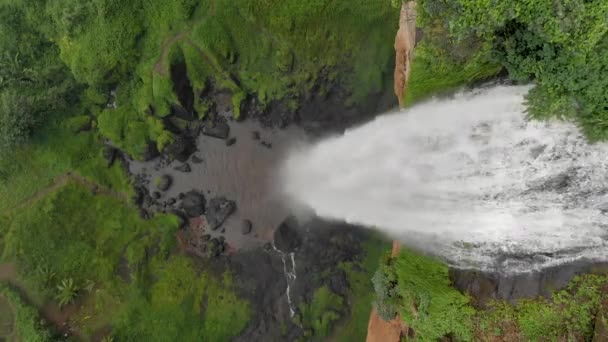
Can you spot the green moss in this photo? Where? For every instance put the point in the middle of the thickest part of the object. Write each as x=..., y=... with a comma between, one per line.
x=425, y=299
x=569, y=314
x=27, y=323
x=324, y=309
x=184, y=305
x=77, y=235
x=434, y=73
x=361, y=291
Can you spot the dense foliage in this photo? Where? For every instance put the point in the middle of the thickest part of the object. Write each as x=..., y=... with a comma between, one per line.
x=270, y=50
x=27, y=323
x=33, y=80
x=420, y=291
x=95, y=250
x=561, y=45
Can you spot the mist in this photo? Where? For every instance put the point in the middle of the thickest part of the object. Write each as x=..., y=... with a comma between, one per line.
x=468, y=179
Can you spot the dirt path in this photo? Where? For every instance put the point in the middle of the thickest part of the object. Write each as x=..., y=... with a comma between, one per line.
x=159, y=67
x=379, y=330
x=63, y=180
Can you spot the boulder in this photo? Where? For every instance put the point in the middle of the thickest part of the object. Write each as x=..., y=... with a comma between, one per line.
x=163, y=183
x=246, y=227
x=196, y=159
x=193, y=204
x=185, y=167
x=287, y=238
x=216, y=129
x=151, y=152
x=230, y=141
x=218, y=211
x=180, y=149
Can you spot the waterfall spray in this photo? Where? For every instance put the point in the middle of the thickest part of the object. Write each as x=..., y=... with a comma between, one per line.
x=468, y=179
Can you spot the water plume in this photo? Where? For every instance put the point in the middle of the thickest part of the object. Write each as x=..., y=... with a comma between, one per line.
x=468, y=179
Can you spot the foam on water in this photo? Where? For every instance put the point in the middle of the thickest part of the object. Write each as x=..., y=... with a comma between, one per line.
x=468, y=179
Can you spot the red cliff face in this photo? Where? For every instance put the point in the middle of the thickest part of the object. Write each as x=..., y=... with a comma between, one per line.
x=405, y=40
x=379, y=330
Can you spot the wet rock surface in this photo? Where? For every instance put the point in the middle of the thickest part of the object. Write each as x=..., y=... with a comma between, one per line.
x=193, y=204
x=218, y=211
x=287, y=236
x=217, y=129
x=246, y=227
x=484, y=287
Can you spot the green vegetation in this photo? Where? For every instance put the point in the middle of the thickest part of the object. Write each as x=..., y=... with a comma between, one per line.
x=361, y=292
x=569, y=315
x=561, y=45
x=73, y=245
x=420, y=291
x=322, y=312
x=417, y=287
x=27, y=324
x=331, y=316
x=134, y=46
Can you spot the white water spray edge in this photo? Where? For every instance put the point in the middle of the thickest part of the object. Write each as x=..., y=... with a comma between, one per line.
x=468, y=179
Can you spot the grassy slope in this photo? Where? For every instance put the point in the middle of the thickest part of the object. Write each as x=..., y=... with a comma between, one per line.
x=354, y=327
x=73, y=234
x=27, y=326
x=428, y=304
x=274, y=50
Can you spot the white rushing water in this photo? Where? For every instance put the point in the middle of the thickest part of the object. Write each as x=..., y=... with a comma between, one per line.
x=468, y=179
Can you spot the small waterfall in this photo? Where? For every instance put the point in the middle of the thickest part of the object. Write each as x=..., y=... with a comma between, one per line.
x=470, y=179
x=290, y=274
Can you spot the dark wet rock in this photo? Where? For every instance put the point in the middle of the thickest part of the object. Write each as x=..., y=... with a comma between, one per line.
x=193, y=204
x=223, y=230
x=287, y=238
x=181, y=196
x=486, y=286
x=180, y=149
x=151, y=152
x=138, y=196
x=196, y=159
x=217, y=129
x=147, y=200
x=558, y=183
x=163, y=183
x=266, y=144
x=109, y=154
x=246, y=227
x=537, y=151
x=230, y=141
x=338, y=283
x=218, y=211
x=181, y=113
x=214, y=247
x=144, y=214
x=185, y=167
x=171, y=201
x=255, y=135
x=156, y=195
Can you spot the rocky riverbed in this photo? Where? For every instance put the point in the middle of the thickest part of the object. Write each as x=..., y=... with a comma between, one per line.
x=220, y=176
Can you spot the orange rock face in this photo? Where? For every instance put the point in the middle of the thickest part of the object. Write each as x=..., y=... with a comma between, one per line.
x=405, y=40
